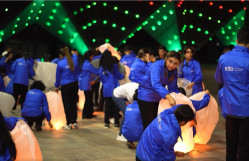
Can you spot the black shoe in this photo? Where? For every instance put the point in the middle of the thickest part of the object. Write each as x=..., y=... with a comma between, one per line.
x=131, y=145
x=106, y=125
x=116, y=125
x=38, y=127
x=84, y=117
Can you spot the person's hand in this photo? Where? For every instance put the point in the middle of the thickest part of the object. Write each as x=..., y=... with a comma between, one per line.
x=56, y=90
x=171, y=100
x=207, y=92
x=190, y=85
x=179, y=154
x=50, y=124
x=92, y=83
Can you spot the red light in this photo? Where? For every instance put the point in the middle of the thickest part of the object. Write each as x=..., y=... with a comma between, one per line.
x=170, y=0
x=201, y=0
x=220, y=7
x=242, y=0
x=180, y=2
x=178, y=5
x=211, y=3
x=244, y=8
x=151, y=3
x=230, y=10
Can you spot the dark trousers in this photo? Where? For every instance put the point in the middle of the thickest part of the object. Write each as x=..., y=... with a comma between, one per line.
x=88, y=106
x=109, y=104
x=21, y=90
x=69, y=93
x=137, y=159
x=101, y=99
x=237, y=139
x=37, y=119
x=148, y=111
x=95, y=91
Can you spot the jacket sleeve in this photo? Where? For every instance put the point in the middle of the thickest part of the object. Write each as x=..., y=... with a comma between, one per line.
x=198, y=105
x=13, y=67
x=137, y=75
x=155, y=73
x=10, y=122
x=45, y=108
x=31, y=70
x=218, y=73
x=117, y=73
x=198, y=76
x=58, y=76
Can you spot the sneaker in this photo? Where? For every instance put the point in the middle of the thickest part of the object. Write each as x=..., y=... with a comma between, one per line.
x=67, y=127
x=112, y=120
x=131, y=145
x=75, y=126
x=106, y=125
x=121, y=138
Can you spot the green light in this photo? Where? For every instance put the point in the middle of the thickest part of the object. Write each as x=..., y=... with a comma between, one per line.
x=126, y=12
x=169, y=42
x=191, y=11
x=200, y=14
x=94, y=3
x=105, y=22
x=107, y=40
x=182, y=31
x=164, y=5
x=123, y=28
x=159, y=23
x=193, y=42
x=48, y=23
x=81, y=9
x=31, y=11
x=71, y=41
x=60, y=32
x=171, y=12
x=29, y=18
x=218, y=21
x=66, y=19
x=88, y=6
x=114, y=25
x=183, y=13
x=115, y=8
x=13, y=32
x=26, y=24
x=229, y=27
x=51, y=17
x=37, y=18
x=43, y=5
x=104, y=4
x=89, y=24
x=75, y=13
x=206, y=32
x=210, y=39
x=153, y=28
x=93, y=40
x=242, y=18
x=124, y=41
x=223, y=32
x=54, y=10
x=157, y=11
x=165, y=17
x=84, y=27
x=63, y=26
x=151, y=16
x=6, y=9
x=42, y=59
x=18, y=19
x=175, y=37
x=210, y=18
x=198, y=29
x=94, y=21
x=15, y=25
x=233, y=33
x=137, y=16
x=57, y=4
x=236, y=23
x=185, y=10
x=1, y=33
x=184, y=42
x=40, y=11
x=34, y=4
x=191, y=26
x=227, y=37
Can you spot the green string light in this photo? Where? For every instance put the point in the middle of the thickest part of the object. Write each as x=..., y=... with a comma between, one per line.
x=126, y=12
x=105, y=22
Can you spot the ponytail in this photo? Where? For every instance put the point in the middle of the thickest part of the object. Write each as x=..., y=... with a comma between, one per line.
x=65, y=52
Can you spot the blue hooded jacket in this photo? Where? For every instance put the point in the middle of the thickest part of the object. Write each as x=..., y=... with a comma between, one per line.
x=55, y=60
x=233, y=72
x=152, y=88
x=138, y=70
x=128, y=59
x=6, y=66
x=86, y=74
x=35, y=104
x=23, y=70
x=110, y=80
x=192, y=72
x=11, y=122
x=63, y=73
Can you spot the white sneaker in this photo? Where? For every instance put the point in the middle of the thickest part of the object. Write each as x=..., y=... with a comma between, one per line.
x=75, y=126
x=67, y=127
x=121, y=138
x=112, y=120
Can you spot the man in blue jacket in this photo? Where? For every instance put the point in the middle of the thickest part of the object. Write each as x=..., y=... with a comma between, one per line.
x=129, y=57
x=158, y=140
x=233, y=72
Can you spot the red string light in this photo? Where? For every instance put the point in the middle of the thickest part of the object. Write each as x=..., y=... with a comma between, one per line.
x=220, y=7
x=151, y=3
x=230, y=10
x=211, y=3
x=244, y=8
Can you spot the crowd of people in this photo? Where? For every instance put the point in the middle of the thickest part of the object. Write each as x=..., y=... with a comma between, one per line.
x=152, y=78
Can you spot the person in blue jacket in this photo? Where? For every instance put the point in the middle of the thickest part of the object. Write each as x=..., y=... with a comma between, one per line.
x=109, y=76
x=7, y=145
x=35, y=107
x=6, y=62
x=55, y=60
x=140, y=66
x=220, y=97
x=158, y=140
x=85, y=84
x=23, y=70
x=152, y=89
x=233, y=72
x=129, y=56
x=67, y=73
x=190, y=69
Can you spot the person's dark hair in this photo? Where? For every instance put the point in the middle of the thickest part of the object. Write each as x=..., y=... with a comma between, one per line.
x=65, y=52
x=107, y=61
x=38, y=85
x=243, y=35
x=161, y=47
x=26, y=56
x=182, y=90
x=141, y=53
x=188, y=47
x=184, y=113
x=171, y=54
x=127, y=47
x=135, y=95
x=115, y=59
x=6, y=139
x=2, y=70
x=87, y=55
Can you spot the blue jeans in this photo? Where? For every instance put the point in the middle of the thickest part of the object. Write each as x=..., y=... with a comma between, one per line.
x=121, y=104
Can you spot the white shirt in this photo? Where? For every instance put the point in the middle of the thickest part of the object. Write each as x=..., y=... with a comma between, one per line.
x=126, y=91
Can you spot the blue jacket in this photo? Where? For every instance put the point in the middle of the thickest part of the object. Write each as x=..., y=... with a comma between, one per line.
x=133, y=126
x=220, y=96
x=128, y=59
x=10, y=89
x=152, y=88
x=6, y=66
x=11, y=122
x=63, y=73
x=86, y=74
x=6, y=156
x=110, y=80
x=192, y=72
x=55, y=60
x=158, y=140
x=233, y=72
x=138, y=70
x=2, y=87
x=35, y=104
x=23, y=70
